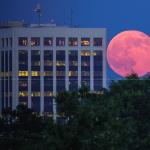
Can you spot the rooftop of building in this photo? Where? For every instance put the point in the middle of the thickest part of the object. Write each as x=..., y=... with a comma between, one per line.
x=12, y=24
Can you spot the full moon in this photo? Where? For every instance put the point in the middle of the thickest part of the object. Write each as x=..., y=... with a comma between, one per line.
x=129, y=52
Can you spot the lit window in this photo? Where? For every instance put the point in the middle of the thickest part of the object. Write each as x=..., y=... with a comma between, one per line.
x=60, y=41
x=35, y=73
x=48, y=93
x=73, y=73
x=35, y=94
x=73, y=41
x=60, y=63
x=23, y=41
x=35, y=41
x=85, y=53
x=85, y=41
x=23, y=73
x=48, y=73
x=23, y=93
x=48, y=41
x=97, y=41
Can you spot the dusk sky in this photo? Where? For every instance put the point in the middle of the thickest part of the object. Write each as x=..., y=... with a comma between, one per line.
x=115, y=15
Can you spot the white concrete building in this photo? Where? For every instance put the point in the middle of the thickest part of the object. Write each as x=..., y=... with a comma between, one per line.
x=37, y=62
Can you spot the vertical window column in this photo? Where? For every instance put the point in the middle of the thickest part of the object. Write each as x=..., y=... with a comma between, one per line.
x=35, y=80
x=23, y=76
x=85, y=68
x=98, y=63
x=73, y=70
x=60, y=70
x=48, y=81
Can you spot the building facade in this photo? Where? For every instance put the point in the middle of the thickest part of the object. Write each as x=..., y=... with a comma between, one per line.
x=38, y=62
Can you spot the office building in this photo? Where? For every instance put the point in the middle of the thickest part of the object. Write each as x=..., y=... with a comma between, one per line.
x=38, y=62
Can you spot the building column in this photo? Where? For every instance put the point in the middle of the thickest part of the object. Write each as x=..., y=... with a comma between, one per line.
x=29, y=78
x=104, y=61
x=8, y=81
x=79, y=68
x=54, y=85
x=91, y=71
x=15, y=70
x=42, y=78
x=66, y=70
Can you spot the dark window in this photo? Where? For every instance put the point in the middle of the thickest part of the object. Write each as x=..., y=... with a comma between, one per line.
x=48, y=60
x=35, y=41
x=7, y=42
x=35, y=104
x=48, y=41
x=35, y=60
x=48, y=104
x=60, y=70
x=10, y=41
x=73, y=41
x=60, y=41
x=22, y=41
x=85, y=41
x=97, y=41
x=23, y=60
x=97, y=70
x=3, y=42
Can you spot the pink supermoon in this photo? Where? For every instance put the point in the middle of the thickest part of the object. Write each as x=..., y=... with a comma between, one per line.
x=129, y=52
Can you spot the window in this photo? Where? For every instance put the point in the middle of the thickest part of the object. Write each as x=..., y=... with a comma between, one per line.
x=48, y=93
x=73, y=41
x=85, y=53
x=10, y=41
x=85, y=41
x=35, y=73
x=23, y=73
x=97, y=41
x=35, y=94
x=35, y=41
x=48, y=41
x=7, y=42
x=73, y=73
x=23, y=60
x=60, y=41
x=35, y=60
x=60, y=73
x=23, y=41
x=3, y=42
x=23, y=93
x=23, y=83
x=60, y=63
x=48, y=73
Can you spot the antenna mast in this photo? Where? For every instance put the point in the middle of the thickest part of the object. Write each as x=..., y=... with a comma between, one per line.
x=39, y=13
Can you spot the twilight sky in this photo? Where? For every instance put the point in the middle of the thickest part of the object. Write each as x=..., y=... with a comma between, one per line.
x=115, y=15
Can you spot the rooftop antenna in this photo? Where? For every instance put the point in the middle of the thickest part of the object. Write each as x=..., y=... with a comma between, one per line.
x=39, y=13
